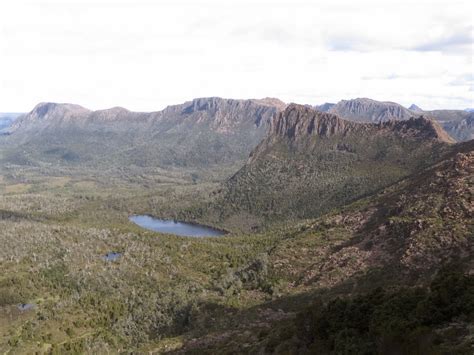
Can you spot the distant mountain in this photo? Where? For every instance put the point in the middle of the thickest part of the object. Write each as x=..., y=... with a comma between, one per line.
x=200, y=132
x=7, y=118
x=415, y=108
x=457, y=123
x=367, y=110
x=324, y=107
x=312, y=162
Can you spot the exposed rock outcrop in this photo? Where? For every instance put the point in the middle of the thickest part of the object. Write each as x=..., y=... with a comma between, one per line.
x=301, y=121
x=367, y=110
x=415, y=108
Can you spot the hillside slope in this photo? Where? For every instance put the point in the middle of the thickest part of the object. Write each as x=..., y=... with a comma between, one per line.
x=389, y=273
x=312, y=162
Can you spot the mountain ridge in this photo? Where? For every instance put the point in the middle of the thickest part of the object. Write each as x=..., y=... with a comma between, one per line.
x=215, y=131
x=299, y=120
x=459, y=124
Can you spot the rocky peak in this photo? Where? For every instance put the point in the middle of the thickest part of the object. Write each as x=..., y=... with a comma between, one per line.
x=324, y=107
x=49, y=112
x=203, y=104
x=48, y=109
x=299, y=121
x=271, y=102
x=415, y=108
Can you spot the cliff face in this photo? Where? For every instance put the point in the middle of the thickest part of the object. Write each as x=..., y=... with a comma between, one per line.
x=367, y=110
x=458, y=123
x=224, y=115
x=299, y=121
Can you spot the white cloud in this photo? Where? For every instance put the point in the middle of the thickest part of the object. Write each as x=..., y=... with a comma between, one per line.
x=144, y=55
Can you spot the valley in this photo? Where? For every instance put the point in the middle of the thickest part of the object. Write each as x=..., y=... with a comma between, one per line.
x=323, y=214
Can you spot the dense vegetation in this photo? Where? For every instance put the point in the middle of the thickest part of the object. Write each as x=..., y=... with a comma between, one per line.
x=404, y=320
x=347, y=280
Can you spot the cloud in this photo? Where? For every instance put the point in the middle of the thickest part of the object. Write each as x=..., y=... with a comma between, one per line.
x=463, y=80
x=149, y=54
x=395, y=76
x=460, y=41
x=346, y=43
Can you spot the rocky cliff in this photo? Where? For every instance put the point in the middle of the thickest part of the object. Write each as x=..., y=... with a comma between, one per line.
x=367, y=110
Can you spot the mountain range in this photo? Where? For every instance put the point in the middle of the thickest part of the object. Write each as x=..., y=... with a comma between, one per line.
x=200, y=132
x=458, y=123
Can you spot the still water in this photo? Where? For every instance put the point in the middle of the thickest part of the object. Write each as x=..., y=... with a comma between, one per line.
x=177, y=228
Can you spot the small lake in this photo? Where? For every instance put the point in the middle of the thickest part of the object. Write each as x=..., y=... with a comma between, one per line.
x=25, y=306
x=112, y=256
x=173, y=227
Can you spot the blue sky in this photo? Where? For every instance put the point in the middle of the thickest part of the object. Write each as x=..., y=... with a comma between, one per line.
x=145, y=55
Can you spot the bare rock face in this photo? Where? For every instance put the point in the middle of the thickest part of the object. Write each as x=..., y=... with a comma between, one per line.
x=299, y=121
x=367, y=110
x=415, y=108
x=462, y=128
x=225, y=115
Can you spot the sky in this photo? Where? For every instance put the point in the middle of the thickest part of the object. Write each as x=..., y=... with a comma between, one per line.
x=145, y=55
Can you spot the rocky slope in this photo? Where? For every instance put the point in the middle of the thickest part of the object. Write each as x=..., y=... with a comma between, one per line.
x=312, y=162
x=388, y=273
x=458, y=123
x=415, y=108
x=201, y=132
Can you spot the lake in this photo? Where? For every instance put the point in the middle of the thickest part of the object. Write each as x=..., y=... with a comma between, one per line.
x=25, y=306
x=112, y=256
x=173, y=227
